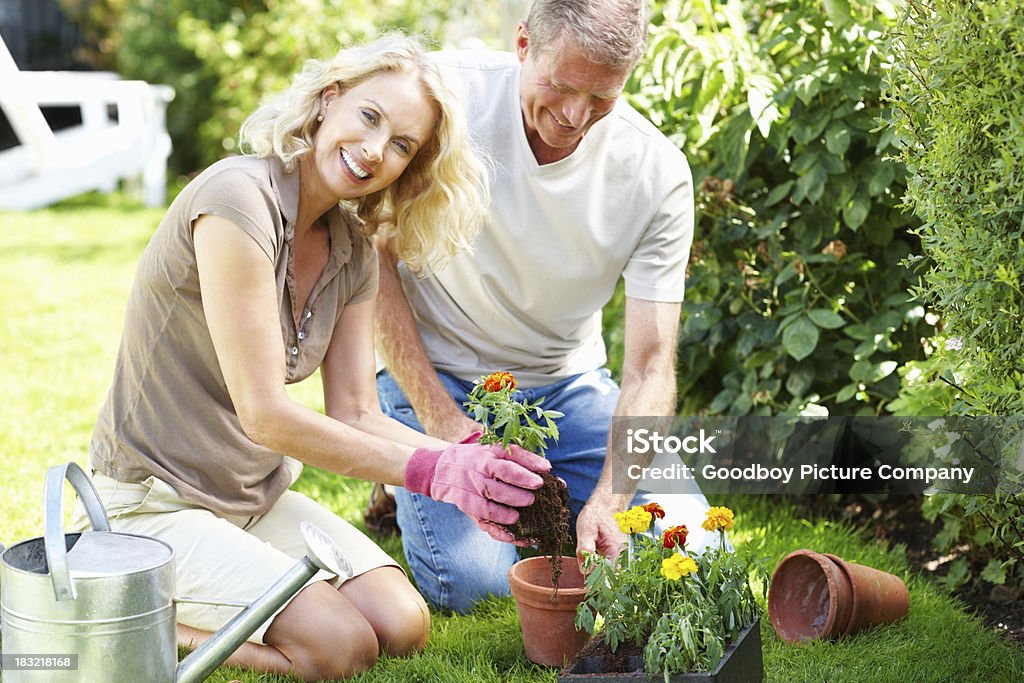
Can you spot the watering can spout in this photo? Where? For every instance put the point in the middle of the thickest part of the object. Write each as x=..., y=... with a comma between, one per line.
x=321, y=553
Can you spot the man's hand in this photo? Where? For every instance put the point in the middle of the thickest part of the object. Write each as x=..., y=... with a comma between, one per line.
x=649, y=358
x=596, y=530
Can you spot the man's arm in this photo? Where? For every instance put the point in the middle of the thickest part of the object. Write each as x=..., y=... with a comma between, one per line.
x=648, y=389
x=398, y=341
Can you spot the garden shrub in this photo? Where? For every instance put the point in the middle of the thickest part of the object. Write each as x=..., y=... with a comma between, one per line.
x=797, y=297
x=252, y=55
x=222, y=56
x=957, y=89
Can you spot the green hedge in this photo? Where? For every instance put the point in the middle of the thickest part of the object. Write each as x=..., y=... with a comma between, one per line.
x=957, y=91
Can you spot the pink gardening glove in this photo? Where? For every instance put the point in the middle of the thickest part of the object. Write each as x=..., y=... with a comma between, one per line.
x=485, y=482
x=500, y=533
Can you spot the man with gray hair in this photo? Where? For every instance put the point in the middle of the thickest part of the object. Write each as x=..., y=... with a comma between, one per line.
x=584, y=191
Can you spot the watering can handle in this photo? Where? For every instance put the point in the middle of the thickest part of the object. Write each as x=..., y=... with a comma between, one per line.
x=53, y=540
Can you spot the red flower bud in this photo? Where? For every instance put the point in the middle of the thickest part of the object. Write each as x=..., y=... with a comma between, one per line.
x=656, y=510
x=496, y=381
x=676, y=536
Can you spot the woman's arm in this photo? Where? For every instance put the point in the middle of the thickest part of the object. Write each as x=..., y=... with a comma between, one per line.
x=240, y=300
x=240, y=303
x=350, y=385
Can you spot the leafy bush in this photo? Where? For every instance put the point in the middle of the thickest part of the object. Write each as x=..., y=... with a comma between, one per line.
x=959, y=96
x=253, y=55
x=958, y=93
x=797, y=297
x=152, y=47
x=223, y=56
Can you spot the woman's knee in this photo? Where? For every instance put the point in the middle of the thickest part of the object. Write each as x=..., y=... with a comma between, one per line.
x=405, y=626
x=396, y=611
x=323, y=635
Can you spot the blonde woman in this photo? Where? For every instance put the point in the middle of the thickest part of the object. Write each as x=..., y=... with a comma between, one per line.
x=261, y=272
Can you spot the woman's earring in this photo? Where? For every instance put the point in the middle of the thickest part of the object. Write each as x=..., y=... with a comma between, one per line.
x=320, y=118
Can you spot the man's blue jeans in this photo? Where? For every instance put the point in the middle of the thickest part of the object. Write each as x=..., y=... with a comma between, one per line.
x=454, y=563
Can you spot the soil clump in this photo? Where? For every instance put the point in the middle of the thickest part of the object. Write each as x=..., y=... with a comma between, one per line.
x=545, y=524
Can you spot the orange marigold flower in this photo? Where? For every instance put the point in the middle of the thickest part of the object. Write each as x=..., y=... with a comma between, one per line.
x=496, y=381
x=718, y=518
x=656, y=510
x=676, y=536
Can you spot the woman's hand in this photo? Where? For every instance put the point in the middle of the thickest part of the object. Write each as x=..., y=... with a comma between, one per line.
x=485, y=482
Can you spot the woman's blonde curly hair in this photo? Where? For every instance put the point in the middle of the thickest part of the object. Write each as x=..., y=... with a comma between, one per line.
x=433, y=209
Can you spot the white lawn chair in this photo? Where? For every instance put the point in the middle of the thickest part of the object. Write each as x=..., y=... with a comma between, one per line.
x=47, y=165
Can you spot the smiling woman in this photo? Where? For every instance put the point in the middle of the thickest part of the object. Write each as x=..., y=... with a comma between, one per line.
x=402, y=105
x=367, y=136
x=261, y=272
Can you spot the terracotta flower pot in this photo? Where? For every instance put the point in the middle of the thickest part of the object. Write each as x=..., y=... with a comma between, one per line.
x=817, y=595
x=549, y=635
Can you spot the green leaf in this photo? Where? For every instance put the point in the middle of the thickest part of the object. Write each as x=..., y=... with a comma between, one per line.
x=807, y=87
x=869, y=373
x=722, y=401
x=958, y=574
x=779, y=193
x=847, y=393
x=800, y=339
x=805, y=161
x=879, y=232
x=856, y=211
x=994, y=572
x=735, y=143
x=837, y=138
x=800, y=379
x=810, y=127
x=760, y=358
x=811, y=185
x=833, y=164
x=838, y=12
x=761, y=101
x=860, y=331
x=826, y=319
x=883, y=176
x=860, y=371
x=884, y=369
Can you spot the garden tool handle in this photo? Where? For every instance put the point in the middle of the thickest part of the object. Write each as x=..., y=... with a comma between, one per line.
x=53, y=539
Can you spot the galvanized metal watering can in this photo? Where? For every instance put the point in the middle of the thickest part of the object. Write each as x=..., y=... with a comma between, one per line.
x=100, y=605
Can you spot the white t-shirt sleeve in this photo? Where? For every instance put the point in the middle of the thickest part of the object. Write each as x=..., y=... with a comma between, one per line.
x=656, y=271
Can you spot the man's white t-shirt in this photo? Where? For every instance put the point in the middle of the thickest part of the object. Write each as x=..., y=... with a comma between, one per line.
x=557, y=239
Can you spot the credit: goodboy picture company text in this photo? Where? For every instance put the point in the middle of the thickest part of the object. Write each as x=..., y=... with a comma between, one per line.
x=767, y=455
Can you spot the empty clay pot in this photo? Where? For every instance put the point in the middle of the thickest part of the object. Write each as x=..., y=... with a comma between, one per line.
x=549, y=635
x=817, y=595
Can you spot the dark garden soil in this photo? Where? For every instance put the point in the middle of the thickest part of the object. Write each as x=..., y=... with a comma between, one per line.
x=623, y=660
x=545, y=524
x=898, y=520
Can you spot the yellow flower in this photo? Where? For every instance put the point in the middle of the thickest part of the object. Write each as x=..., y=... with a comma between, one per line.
x=718, y=518
x=677, y=566
x=634, y=520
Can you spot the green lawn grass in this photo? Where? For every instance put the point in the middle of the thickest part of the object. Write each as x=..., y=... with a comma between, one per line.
x=64, y=278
